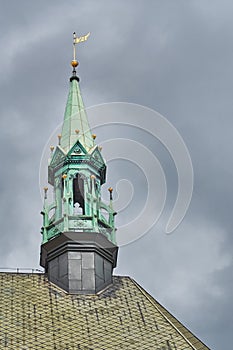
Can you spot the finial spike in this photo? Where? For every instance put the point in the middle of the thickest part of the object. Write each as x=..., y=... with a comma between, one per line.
x=59, y=139
x=77, y=40
x=110, y=190
x=45, y=192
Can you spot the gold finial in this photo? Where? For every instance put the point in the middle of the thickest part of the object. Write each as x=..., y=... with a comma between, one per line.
x=77, y=131
x=45, y=192
x=110, y=189
x=92, y=177
x=93, y=136
x=74, y=63
x=64, y=176
x=51, y=148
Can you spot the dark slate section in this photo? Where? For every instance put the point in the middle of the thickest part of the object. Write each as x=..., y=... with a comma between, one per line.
x=79, y=266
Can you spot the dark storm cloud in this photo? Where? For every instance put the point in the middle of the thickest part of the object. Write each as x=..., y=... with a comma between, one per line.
x=173, y=56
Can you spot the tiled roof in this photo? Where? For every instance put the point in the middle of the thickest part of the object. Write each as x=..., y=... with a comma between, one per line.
x=36, y=314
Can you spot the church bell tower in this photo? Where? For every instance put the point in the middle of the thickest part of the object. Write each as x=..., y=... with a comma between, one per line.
x=78, y=249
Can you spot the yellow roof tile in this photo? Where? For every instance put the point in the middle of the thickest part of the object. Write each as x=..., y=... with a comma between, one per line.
x=36, y=314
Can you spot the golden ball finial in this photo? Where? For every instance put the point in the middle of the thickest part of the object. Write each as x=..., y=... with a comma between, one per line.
x=74, y=63
x=110, y=189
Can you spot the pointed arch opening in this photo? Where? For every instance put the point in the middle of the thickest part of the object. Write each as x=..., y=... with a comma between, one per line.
x=78, y=195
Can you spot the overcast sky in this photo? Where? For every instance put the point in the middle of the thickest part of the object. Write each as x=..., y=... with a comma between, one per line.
x=175, y=57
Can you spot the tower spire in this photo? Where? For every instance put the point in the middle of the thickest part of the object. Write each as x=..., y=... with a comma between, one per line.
x=78, y=228
x=75, y=118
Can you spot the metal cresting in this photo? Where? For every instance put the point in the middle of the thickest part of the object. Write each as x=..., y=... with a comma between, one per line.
x=148, y=124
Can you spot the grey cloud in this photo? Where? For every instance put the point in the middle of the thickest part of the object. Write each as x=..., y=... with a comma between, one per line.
x=173, y=56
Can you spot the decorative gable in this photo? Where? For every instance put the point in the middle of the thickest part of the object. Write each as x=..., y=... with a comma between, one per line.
x=58, y=157
x=77, y=150
x=96, y=156
x=98, y=161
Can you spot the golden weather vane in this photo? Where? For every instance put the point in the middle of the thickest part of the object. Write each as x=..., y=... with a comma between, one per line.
x=77, y=40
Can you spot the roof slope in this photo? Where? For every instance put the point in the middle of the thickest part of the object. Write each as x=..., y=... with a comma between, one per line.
x=36, y=314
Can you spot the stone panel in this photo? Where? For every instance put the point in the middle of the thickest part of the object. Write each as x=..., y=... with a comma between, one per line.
x=107, y=271
x=53, y=263
x=74, y=255
x=63, y=282
x=75, y=285
x=88, y=280
x=88, y=260
x=53, y=268
x=108, y=276
x=74, y=269
x=63, y=265
x=99, y=266
x=99, y=283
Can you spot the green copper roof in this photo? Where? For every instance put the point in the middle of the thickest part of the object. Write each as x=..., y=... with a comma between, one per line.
x=36, y=314
x=75, y=118
x=77, y=171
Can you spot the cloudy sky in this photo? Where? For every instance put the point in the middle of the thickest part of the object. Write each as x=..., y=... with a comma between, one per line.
x=173, y=56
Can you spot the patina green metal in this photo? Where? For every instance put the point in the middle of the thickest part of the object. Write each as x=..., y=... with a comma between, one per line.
x=77, y=171
x=75, y=120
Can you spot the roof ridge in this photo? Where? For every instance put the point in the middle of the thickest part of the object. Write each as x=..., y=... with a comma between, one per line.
x=154, y=302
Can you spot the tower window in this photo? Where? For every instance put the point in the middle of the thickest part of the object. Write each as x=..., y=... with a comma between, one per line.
x=78, y=193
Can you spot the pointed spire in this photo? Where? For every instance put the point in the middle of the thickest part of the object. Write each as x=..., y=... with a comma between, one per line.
x=75, y=126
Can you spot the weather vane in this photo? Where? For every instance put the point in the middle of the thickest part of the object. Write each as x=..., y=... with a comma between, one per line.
x=77, y=40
